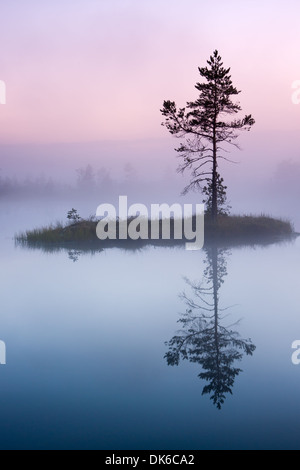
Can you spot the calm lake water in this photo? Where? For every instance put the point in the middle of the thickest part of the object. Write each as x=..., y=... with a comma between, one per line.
x=87, y=338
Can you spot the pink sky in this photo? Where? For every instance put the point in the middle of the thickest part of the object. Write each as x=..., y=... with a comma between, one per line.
x=87, y=70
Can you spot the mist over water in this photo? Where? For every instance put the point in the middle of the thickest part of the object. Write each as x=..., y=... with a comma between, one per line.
x=86, y=175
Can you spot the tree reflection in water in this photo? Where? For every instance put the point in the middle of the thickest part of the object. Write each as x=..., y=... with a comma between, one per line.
x=204, y=339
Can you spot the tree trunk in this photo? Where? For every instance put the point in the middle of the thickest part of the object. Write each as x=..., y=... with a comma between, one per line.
x=214, y=207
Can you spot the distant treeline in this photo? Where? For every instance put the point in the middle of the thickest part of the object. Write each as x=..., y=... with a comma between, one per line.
x=87, y=181
x=282, y=183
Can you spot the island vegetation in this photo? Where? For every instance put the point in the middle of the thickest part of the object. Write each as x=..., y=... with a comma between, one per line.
x=228, y=231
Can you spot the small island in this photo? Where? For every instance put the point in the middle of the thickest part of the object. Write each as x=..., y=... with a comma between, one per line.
x=228, y=231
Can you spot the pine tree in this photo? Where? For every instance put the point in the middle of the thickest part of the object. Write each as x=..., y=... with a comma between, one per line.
x=204, y=129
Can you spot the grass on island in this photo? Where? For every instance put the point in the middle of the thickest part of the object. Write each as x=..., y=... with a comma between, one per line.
x=83, y=231
x=248, y=228
x=229, y=230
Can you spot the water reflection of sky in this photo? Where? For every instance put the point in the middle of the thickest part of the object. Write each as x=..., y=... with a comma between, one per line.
x=85, y=351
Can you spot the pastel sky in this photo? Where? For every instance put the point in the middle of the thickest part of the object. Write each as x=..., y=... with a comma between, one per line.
x=88, y=70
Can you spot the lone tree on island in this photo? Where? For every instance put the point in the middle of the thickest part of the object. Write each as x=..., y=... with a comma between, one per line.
x=204, y=129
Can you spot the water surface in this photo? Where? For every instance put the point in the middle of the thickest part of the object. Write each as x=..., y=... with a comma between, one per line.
x=87, y=337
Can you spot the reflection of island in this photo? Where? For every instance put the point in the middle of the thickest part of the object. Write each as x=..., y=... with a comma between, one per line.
x=204, y=339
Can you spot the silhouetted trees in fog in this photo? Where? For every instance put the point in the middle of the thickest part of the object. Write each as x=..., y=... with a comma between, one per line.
x=86, y=182
x=16, y=188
